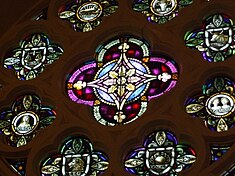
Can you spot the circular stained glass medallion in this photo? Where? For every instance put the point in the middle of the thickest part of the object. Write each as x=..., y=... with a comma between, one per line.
x=220, y=105
x=89, y=11
x=163, y=7
x=25, y=122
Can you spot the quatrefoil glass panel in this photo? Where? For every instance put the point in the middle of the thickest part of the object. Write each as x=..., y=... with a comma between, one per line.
x=216, y=105
x=34, y=53
x=85, y=15
x=121, y=80
x=215, y=39
x=24, y=119
x=160, y=155
x=160, y=11
x=76, y=157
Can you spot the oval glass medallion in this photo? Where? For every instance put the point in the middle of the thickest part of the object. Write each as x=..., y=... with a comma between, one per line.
x=89, y=11
x=162, y=8
x=25, y=123
x=220, y=105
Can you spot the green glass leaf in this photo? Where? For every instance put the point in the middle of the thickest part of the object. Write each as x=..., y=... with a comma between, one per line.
x=31, y=75
x=11, y=61
x=102, y=165
x=4, y=124
x=185, y=2
x=22, y=141
x=140, y=7
x=47, y=120
x=110, y=10
x=193, y=108
x=50, y=169
x=162, y=20
x=27, y=101
x=219, y=57
x=133, y=162
x=77, y=145
x=66, y=14
x=36, y=39
x=219, y=83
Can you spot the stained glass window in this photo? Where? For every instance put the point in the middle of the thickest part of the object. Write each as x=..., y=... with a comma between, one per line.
x=160, y=11
x=215, y=106
x=19, y=166
x=217, y=151
x=215, y=39
x=26, y=116
x=121, y=81
x=75, y=157
x=85, y=15
x=34, y=53
x=160, y=155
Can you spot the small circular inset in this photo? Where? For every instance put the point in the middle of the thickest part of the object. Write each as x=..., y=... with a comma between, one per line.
x=25, y=122
x=163, y=7
x=89, y=11
x=220, y=105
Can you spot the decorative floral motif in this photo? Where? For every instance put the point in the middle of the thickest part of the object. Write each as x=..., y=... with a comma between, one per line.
x=25, y=118
x=30, y=59
x=216, y=105
x=217, y=151
x=161, y=155
x=119, y=84
x=85, y=15
x=160, y=11
x=215, y=39
x=76, y=157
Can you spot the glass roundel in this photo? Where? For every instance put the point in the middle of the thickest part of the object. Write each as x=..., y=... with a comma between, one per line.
x=120, y=82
